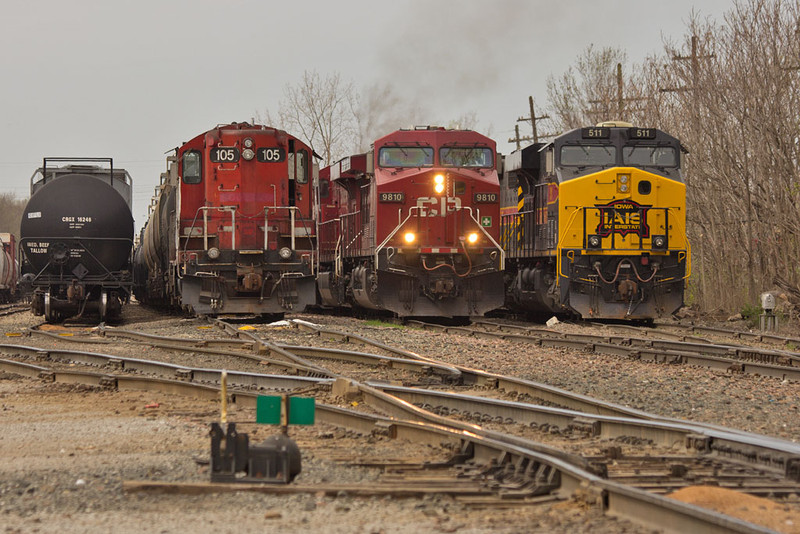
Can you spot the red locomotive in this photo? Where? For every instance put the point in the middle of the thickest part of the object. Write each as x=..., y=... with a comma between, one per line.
x=412, y=227
x=231, y=229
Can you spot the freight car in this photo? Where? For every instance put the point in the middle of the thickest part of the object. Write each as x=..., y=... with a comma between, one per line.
x=231, y=229
x=9, y=268
x=594, y=224
x=76, y=238
x=412, y=227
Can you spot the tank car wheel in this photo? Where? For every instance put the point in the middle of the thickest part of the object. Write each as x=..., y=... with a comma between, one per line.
x=50, y=315
x=103, y=306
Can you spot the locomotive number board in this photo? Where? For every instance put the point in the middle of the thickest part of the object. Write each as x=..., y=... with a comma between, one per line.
x=484, y=197
x=598, y=132
x=224, y=154
x=642, y=133
x=270, y=154
x=392, y=197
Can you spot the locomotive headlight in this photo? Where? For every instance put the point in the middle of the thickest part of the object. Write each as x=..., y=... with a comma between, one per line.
x=213, y=253
x=594, y=241
x=248, y=142
x=472, y=238
x=409, y=237
x=248, y=154
x=285, y=253
x=623, y=183
x=438, y=183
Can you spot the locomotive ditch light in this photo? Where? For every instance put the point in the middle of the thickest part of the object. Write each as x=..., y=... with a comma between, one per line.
x=409, y=237
x=594, y=241
x=285, y=253
x=659, y=242
x=472, y=238
x=213, y=253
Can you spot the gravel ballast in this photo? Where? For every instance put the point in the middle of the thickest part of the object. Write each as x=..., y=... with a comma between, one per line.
x=67, y=449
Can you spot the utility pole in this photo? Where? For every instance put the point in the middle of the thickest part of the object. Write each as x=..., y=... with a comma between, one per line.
x=533, y=120
x=517, y=139
x=620, y=100
x=694, y=105
x=695, y=59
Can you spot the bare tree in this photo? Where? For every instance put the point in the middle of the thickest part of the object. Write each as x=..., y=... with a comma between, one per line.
x=734, y=102
x=589, y=92
x=322, y=111
x=11, y=209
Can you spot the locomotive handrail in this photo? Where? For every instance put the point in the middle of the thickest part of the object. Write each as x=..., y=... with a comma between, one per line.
x=205, y=209
x=233, y=209
x=584, y=209
x=496, y=244
x=471, y=216
x=561, y=244
x=322, y=233
x=221, y=168
x=293, y=210
x=688, y=247
x=392, y=234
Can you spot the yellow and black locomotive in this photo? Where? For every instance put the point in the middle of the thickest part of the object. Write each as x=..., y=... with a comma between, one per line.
x=594, y=224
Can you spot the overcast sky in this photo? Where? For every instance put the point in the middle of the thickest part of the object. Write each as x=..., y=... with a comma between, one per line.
x=133, y=79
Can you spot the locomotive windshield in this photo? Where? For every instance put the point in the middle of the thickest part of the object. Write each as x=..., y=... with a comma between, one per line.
x=649, y=156
x=406, y=156
x=588, y=155
x=466, y=157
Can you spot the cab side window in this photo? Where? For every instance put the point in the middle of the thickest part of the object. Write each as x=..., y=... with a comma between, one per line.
x=192, y=172
x=302, y=167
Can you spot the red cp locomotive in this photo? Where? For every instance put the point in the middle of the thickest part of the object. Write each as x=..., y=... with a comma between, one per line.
x=231, y=229
x=412, y=227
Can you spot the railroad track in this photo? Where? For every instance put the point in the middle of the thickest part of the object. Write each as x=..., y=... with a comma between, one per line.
x=516, y=471
x=11, y=309
x=780, y=364
x=763, y=465
x=697, y=331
